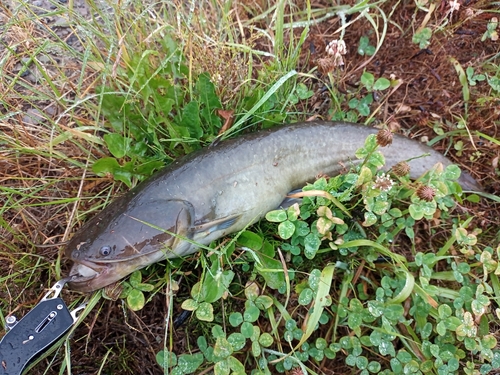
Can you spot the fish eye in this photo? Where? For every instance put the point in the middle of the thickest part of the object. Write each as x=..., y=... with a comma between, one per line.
x=105, y=250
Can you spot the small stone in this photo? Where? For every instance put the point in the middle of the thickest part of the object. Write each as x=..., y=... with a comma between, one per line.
x=25, y=73
x=33, y=117
x=32, y=77
x=51, y=111
x=44, y=59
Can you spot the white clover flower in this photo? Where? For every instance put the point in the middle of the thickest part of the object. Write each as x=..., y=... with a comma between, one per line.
x=335, y=49
x=383, y=182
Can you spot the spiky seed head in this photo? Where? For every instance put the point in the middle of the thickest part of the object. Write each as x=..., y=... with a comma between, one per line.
x=401, y=169
x=426, y=193
x=384, y=137
x=325, y=65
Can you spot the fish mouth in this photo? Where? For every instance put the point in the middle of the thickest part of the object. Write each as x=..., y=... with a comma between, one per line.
x=88, y=276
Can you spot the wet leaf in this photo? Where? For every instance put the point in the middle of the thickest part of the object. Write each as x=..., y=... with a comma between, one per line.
x=222, y=368
x=205, y=312
x=246, y=329
x=382, y=84
x=251, y=314
x=236, y=366
x=189, y=305
x=264, y=302
x=323, y=225
x=311, y=245
x=252, y=290
x=286, y=229
x=166, y=359
x=235, y=319
x=191, y=119
x=117, y=144
x=251, y=240
x=276, y=216
x=237, y=341
x=135, y=300
x=266, y=340
x=370, y=219
x=189, y=363
x=305, y=297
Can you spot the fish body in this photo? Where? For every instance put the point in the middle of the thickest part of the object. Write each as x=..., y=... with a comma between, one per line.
x=220, y=190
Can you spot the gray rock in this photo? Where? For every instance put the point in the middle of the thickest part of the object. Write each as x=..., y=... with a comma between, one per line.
x=33, y=117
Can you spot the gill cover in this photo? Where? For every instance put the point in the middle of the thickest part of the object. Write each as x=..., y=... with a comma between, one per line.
x=126, y=231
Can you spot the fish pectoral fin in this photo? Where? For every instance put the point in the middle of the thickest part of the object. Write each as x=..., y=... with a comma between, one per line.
x=290, y=200
x=216, y=225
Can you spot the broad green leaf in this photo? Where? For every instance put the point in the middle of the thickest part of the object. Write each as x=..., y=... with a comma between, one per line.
x=374, y=367
x=377, y=159
x=251, y=314
x=416, y=211
x=370, y=219
x=105, y=165
x=205, y=312
x=189, y=304
x=191, y=119
x=489, y=341
x=321, y=301
x=237, y=341
x=235, y=319
x=222, y=348
x=236, y=366
x=276, y=216
x=166, y=359
x=109, y=165
x=311, y=245
x=305, y=297
x=135, y=278
x=136, y=300
x=266, y=340
x=252, y=290
x=367, y=79
x=314, y=279
x=117, y=144
x=286, y=229
x=246, y=329
x=256, y=349
x=263, y=302
x=206, y=92
x=145, y=287
x=222, y=368
x=382, y=84
x=189, y=363
x=214, y=286
x=364, y=47
x=272, y=272
x=250, y=239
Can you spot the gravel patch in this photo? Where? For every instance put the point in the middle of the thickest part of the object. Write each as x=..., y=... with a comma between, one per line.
x=40, y=57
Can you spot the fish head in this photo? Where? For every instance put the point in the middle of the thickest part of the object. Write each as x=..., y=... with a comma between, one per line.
x=126, y=237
